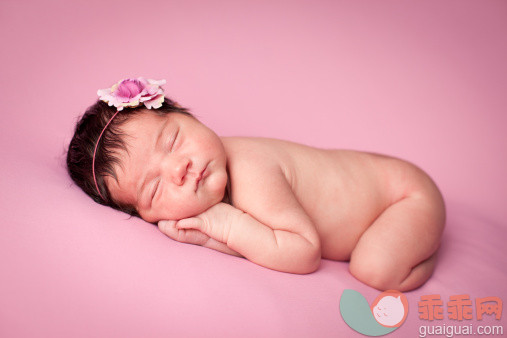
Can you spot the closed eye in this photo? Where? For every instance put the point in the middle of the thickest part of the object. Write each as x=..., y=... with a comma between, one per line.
x=174, y=138
x=155, y=190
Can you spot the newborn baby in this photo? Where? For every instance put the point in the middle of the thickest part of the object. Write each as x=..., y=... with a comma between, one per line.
x=279, y=204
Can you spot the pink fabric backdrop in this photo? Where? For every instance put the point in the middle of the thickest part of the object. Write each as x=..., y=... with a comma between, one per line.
x=421, y=80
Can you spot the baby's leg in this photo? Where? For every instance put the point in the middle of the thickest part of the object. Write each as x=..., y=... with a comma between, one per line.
x=398, y=250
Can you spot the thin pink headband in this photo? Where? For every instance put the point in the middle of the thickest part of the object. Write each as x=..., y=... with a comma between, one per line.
x=95, y=152
x=129, y=93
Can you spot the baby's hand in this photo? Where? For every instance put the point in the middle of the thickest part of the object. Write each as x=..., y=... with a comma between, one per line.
x=189, y=236
x=215, y=223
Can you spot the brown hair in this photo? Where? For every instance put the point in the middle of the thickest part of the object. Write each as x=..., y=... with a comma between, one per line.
x=82, y=145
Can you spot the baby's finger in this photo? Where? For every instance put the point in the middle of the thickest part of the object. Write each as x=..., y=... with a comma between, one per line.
x=189, y=236
x=192, y=236
x=168, y=228
x=190, y=223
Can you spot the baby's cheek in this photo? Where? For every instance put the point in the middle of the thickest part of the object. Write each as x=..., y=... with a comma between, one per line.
x=179, y=210
x=216, y=185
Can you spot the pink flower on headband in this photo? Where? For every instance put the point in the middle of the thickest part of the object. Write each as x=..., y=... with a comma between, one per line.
x=133, y=93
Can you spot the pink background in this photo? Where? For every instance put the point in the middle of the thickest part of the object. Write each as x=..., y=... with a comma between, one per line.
x=421, y=80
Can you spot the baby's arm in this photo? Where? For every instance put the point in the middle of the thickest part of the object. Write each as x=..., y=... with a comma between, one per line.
x=270, y=228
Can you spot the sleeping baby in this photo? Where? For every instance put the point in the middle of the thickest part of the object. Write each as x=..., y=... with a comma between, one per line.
x=279, y=204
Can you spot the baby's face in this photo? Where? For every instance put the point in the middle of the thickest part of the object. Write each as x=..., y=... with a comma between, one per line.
x=175, y=167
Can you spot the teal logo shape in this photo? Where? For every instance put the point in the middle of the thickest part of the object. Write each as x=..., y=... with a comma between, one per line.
x=386, y=314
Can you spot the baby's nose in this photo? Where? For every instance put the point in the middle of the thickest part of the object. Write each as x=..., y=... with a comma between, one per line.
x=179, y=170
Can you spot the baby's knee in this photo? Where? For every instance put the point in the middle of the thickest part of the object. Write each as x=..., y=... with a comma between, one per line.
x=379, y=272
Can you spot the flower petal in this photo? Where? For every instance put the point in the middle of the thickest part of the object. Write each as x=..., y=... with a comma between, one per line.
x=155, y=102
x=132, y=92
x=157, y=82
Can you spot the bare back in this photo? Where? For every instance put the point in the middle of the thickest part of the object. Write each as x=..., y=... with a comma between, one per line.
x=342, y=191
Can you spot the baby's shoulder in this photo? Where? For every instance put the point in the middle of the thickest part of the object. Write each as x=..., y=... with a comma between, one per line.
x=256, y=159
x=259, y=175
x=259, y=150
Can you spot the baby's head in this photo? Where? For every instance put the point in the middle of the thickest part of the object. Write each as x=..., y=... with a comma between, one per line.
x=159, y=163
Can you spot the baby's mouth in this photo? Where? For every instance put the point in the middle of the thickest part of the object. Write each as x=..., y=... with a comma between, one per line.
x=200, y=177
